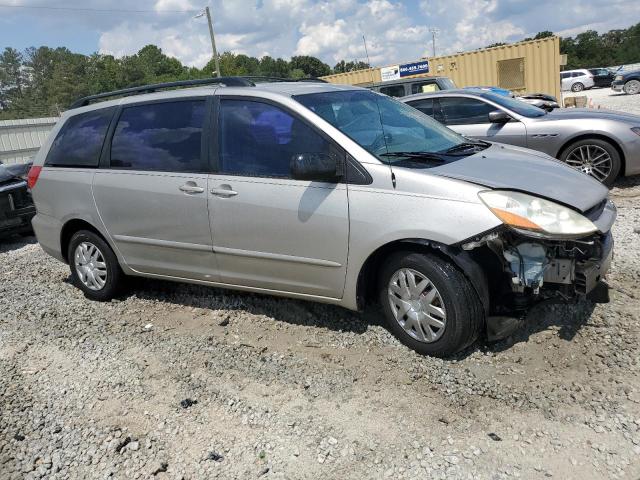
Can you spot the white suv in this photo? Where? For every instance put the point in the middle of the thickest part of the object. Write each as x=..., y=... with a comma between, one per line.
x=576, y=80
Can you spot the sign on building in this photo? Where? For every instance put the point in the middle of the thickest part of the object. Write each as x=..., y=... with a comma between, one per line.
x=390, y=73
x=414, y=68
x=395, y=72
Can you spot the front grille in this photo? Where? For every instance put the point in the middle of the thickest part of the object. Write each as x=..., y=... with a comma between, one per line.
x=581, y=282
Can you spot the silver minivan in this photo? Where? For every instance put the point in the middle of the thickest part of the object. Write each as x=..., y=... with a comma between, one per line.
x=320, y=192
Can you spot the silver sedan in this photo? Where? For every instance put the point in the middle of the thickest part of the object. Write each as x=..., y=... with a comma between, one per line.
x=600, y=143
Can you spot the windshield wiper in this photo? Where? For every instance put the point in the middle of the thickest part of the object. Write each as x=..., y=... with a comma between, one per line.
x=466, y=146
x=431, y=156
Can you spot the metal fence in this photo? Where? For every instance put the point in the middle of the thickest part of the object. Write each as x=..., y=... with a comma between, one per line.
x=21, y=139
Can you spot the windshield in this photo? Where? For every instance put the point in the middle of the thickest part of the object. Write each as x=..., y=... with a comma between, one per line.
x=515, y=105
x=380, y=124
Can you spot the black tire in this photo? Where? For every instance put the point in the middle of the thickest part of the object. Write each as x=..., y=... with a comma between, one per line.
x=114, y=274
x=464, y=312
x=616, y=161
x=577, y=87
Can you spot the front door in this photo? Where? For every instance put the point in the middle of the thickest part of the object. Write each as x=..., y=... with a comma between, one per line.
x=470, y=117
x=153, y=197
x=269, y=230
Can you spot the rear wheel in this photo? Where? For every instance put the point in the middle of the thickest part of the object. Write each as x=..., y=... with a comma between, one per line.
x=429, y=305
x=597, y=158
x=577, y=87
x=632, y=87
x=94, y=267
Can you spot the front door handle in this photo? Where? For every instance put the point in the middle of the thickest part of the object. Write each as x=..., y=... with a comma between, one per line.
x=191, y=187
x=224, y=190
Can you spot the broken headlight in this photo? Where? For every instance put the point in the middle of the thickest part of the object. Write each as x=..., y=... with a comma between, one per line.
x=536, y=215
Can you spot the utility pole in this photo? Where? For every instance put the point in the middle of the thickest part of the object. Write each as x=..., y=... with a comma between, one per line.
x=213, y=42
x=434, y=32
x=364, y=40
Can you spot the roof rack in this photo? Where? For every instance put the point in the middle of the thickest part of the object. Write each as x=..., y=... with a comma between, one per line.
x=228, y=81
x=259, y=78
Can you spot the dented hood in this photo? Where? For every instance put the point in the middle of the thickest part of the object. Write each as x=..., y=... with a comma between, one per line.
x=514, y=168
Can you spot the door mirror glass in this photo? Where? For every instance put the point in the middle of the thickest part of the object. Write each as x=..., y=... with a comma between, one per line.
x=498, y=116
x=321, y=167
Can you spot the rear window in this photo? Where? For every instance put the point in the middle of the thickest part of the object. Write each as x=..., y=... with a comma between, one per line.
x=79, y=142
x=163, y=136
x=393, y=90
x=424, y=87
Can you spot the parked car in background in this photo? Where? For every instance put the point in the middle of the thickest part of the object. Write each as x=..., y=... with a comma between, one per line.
x=16, y=205
x=409, y=86
x=576, y=80
x=322, y=192
x=602, y=77
x=627, y=82
x=540, y=100
x=600, y=143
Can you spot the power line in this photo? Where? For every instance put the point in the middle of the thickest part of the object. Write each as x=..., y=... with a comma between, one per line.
x=96, y=10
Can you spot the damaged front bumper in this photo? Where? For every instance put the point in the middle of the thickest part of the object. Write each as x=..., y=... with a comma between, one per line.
x=523, y=269
x=569, y=268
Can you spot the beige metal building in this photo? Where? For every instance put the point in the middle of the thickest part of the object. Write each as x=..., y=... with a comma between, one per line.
x=532, y=66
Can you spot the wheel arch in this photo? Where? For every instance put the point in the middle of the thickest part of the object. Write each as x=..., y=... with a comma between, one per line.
x=598, y=136
x=72, y=226
x=368, y=276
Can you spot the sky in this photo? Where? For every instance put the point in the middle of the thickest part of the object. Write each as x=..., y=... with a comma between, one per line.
x=396, y=31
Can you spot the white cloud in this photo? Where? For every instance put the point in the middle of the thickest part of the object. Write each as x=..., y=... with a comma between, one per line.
x=396, y=30
x=175, y=5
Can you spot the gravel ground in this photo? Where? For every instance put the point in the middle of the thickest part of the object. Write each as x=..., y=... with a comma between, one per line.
x=607, y=98
x=178, y=381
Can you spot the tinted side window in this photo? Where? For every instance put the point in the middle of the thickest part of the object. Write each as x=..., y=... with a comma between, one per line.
x=565, y=75
x=425, y=106
x=393, y=90
x=465, y=111
x=80, y=140
x=259, y=139
x=423, y=87
x=163, y=136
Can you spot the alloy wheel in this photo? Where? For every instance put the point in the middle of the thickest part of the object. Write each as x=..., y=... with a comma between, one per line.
x=90, y=266
x=592, y=160
x=632, y=87
x=417, y=305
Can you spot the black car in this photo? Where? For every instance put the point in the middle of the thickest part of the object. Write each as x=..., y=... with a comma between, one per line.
x=16, y=205
x=629, y=82
x=602, y=77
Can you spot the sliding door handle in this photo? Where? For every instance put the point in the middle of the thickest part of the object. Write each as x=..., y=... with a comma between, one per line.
x=224, y=191
x=191, y=187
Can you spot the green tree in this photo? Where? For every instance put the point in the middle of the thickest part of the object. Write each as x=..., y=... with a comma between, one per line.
x=311, y=66
x=343, y=67
x=12, y=75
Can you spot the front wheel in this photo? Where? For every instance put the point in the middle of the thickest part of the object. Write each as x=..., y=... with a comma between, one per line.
x=577, y=87
x=597, y=158
x=429, y=305
x=632, y=87
x=94, y=267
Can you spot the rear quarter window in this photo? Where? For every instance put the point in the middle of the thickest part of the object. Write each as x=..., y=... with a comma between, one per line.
x=79, y=141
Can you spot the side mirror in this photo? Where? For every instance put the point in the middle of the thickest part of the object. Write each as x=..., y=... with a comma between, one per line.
x=320, y=167
x=498, y=116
